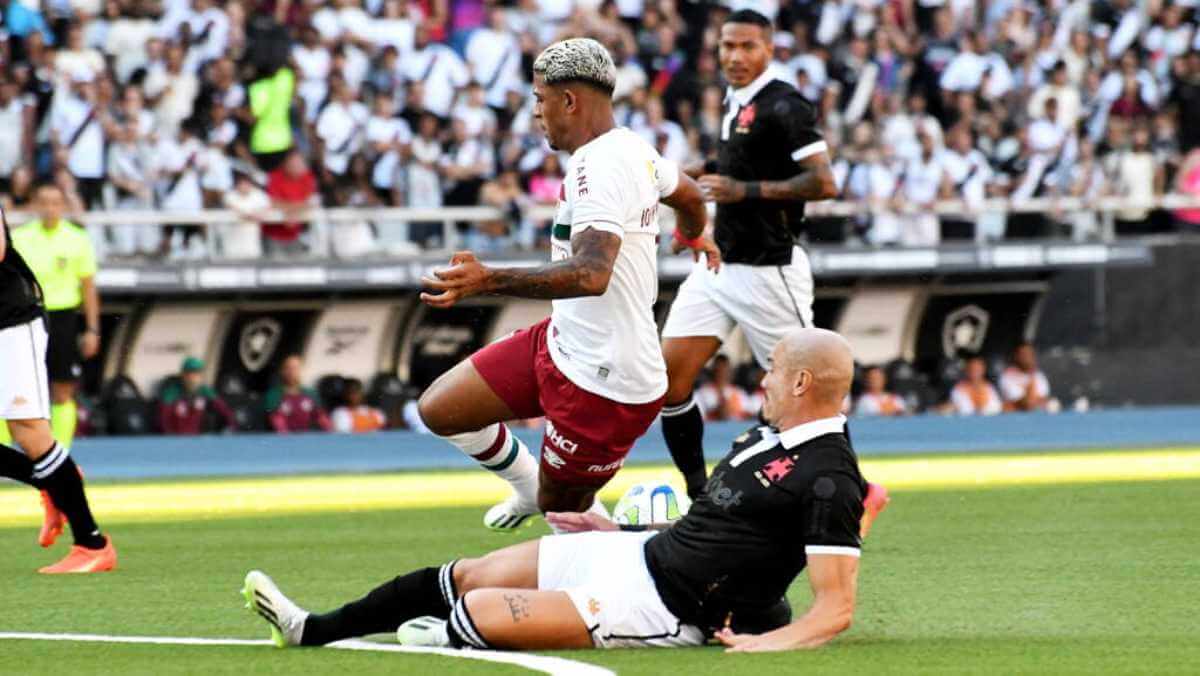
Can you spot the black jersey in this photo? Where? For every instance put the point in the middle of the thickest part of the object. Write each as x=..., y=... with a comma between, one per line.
x=768, y=128
x=772, y=501
x=20, y=295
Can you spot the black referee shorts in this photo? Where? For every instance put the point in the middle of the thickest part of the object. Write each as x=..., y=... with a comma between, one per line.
x=63, y=361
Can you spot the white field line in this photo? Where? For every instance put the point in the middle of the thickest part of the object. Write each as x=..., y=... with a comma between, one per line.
x=548, y=665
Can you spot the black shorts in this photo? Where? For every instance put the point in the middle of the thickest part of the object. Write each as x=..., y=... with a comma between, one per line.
x=63, y=362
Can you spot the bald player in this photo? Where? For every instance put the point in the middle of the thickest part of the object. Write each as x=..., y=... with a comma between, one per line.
x=787, y=496
x=593, y=368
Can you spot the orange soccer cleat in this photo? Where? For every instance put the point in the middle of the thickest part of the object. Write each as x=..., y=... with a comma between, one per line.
x=84, y=560
x=877, y=499
x=52, y=522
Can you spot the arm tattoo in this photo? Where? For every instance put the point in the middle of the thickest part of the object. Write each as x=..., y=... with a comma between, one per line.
x=814, y=183
x=584, y=274
x=518, y=605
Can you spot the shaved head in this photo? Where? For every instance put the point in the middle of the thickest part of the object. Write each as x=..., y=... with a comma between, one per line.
x=810, y=376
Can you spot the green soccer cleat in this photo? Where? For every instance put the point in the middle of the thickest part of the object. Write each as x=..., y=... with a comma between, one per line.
x=285, y=618
x=509, y=515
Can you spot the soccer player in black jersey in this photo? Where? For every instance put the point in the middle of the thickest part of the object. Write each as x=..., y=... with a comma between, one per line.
x=788, y=496
x=771, y=160
x=25, y=405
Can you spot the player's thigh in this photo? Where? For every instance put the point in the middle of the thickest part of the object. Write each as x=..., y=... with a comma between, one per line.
x=33, y=435
x=460, y=400
x=558, y=492
x=523, y=619
x=515, y=566
x=497, y=383
x=685, y=357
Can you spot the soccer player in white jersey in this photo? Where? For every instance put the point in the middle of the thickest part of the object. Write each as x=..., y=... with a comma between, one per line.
x=593, y=368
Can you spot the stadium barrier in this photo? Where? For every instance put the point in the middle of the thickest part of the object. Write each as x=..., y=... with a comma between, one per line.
x=1105, y=207
x=315, y=453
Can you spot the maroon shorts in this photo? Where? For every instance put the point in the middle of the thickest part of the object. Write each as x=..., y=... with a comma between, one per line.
x=587, y=436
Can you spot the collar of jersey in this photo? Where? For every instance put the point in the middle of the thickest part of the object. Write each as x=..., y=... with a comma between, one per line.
x=800, y=434
x=746, y=94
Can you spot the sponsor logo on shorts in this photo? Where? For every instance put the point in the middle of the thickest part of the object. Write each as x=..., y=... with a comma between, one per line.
x=606, y=468
x=560, y=442
x=553, y=459
x=593, y=606
x=19, y=401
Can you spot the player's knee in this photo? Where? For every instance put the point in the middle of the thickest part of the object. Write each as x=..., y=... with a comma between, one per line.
x=468, y=575
x=678, y=391
x=429, y=410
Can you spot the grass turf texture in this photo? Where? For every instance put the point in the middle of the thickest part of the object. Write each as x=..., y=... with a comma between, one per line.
x=1079, y=578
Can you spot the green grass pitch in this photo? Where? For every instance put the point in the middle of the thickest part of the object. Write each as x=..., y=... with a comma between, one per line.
x=1084, y=578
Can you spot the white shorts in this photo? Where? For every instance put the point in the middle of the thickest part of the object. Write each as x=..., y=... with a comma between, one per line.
x=605, y=575
x=766, y=301
x=24, y=389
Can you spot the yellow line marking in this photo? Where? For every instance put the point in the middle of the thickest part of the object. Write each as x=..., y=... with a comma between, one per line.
x=245, y=497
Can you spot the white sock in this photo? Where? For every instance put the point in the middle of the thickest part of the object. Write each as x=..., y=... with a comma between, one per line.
x=500, y=452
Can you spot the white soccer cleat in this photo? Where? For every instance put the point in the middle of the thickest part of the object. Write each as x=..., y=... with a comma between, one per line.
x=286, y=618
x=509, y=515
x=424, y=631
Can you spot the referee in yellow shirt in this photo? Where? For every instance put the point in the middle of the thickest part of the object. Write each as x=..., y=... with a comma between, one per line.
x=62, y=258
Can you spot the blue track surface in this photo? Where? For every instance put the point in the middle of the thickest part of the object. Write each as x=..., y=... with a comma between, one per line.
x=145, y=457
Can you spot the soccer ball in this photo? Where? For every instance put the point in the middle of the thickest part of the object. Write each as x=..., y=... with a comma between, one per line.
x=651, y=502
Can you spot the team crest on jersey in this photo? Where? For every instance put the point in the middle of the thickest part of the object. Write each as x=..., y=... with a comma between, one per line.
x=775, y=471
x=745, y=119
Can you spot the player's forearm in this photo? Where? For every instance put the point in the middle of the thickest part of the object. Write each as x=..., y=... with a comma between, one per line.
x=818, y=626
x=569, y=278
x=688, y=203
x=91, y=305
x=815, y=183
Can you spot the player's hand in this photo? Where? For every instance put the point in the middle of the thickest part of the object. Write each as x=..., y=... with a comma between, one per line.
x=577, y=522
x=465, y=277
x=750, y=643
x=707, y=247
x=89, y=345
x=721, y=189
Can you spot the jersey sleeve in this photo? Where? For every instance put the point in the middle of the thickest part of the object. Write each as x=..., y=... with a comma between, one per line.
x=85, y=263
x=800, y=133
x=666, y=176
x=833, y=509
x=594, y=190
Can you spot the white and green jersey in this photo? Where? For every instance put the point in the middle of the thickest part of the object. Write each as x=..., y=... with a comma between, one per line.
x=608, y=344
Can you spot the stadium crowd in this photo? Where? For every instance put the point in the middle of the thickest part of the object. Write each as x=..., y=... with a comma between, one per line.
x=244, y=104
x=185, y=404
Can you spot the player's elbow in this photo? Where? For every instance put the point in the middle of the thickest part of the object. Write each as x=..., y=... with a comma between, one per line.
x=594, y=281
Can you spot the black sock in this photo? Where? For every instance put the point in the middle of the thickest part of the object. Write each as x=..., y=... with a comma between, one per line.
x=428, y=591
x=14, y=465
x=57, y=473
x=683, y=429
x=461, y=629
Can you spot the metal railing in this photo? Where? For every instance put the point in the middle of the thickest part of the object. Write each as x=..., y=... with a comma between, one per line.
x=330, y=218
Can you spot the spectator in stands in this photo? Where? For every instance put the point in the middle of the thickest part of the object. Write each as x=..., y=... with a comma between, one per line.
x=17, y=127
x=130, y=172
x=189, y=406
x=720, y=398
x=77, y=132
x=290, y=406
x=340, y=135
x=270, y=106
x=975, y=394
x=243, y=240
x=876, y=400
x=292, y=189
x=354, y=416
x=920, y=185
x=1023, y=386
